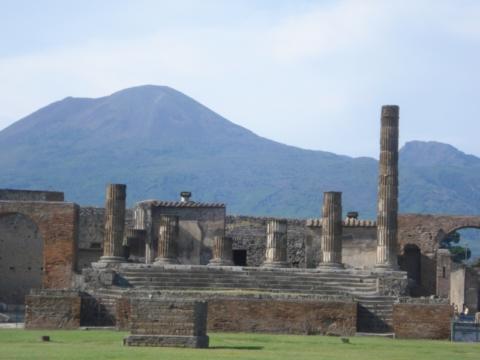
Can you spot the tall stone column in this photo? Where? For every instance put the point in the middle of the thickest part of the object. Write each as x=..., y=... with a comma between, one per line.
x=167, y=240
x=276, y=252
x=387, y=210
x=114, y=223
x=331, y=240
x=222, y=251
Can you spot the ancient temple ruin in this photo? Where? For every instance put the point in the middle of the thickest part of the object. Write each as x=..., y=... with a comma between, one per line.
x=326, y=275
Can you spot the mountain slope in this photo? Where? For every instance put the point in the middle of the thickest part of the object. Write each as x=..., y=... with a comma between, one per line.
x=160, y=142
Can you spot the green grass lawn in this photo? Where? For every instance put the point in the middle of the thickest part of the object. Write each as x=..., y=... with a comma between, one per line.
x=95, y=345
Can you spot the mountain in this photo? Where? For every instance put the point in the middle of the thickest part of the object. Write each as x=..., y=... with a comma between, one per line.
x=160, y=142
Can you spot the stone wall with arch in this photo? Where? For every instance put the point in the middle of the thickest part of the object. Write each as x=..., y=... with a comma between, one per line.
x=57, y=224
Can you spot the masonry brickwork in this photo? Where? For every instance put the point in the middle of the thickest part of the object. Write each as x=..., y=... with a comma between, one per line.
x=422, y=321
x=165, y=322
x=58, y=227
x=53, y=310
x=283, y=316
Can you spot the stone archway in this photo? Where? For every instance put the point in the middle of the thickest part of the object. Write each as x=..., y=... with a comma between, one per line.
x=427, y=232
x=21, y=257
x=57, y=224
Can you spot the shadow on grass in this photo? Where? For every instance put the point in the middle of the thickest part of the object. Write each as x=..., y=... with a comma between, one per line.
x=236, y=347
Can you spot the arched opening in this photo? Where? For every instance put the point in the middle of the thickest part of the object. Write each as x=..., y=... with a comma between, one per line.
x=463, y=245
x=21, y=257
x=411, y=262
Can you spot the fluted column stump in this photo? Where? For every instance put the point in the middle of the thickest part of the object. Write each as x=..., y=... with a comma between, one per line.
x=276, y=252
x=387, y=202
x=167, y=240
x=331, y=240
x=114, y=223
x=222, y=251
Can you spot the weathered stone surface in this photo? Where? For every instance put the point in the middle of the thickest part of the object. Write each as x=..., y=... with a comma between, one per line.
x=283, y=316
x=276, y=251
x=30, y=195
x=248, y=233
x=387, y=211
x=114, y=223
x=167, y=240
x=422, y=321
x=392, y=283
x=167, y=341
x=165, y=322
x=58, y=225
x=222, y=251
x=54, y=309
x=198, y=224
x=331, y=240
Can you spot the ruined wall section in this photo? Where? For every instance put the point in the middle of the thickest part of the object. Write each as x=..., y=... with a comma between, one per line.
x=30, y=195
x=91, y=232
x=58, y=226
x=250, y=233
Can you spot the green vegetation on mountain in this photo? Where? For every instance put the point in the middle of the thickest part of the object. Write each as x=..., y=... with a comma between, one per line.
x=159, y=142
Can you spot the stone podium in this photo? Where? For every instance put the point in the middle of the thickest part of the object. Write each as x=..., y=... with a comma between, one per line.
x=172, y=323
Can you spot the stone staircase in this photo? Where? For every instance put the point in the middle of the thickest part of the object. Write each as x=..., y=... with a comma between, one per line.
x=375, y=314
x=374, y=311
x=344, y=282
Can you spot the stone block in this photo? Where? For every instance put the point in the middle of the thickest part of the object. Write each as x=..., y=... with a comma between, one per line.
x=53, y=309
x=155, y=322
x=167, y=341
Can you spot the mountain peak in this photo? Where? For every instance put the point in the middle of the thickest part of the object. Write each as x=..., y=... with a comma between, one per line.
x=433, y=153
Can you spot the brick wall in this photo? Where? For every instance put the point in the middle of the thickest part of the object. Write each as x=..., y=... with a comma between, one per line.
x=53, y=310
x=58, y=226
x=422, y=321
x=168, y=317
x=282, y=316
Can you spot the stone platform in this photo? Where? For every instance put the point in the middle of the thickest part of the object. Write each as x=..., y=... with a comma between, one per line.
x=167, y=341
x=285, y=280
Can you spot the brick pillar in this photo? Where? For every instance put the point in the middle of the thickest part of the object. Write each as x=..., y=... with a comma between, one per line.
x=167, y=240
x=276, y=252
x=387, y=210
x=331, y=240
x=114, y=223
x=222, y=251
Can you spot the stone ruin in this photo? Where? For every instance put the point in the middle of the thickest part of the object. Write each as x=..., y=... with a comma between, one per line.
x=326, y=276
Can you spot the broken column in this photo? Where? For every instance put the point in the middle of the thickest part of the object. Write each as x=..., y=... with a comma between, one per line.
x=222, y=251
x=331, y=240
x=167, y=240
x=114, y=223
x=276, y=252
x=387, y=201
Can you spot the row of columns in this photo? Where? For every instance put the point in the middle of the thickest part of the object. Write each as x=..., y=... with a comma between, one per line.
x=276, y=250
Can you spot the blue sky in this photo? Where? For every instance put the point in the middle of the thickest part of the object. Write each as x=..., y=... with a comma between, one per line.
x=313, y=74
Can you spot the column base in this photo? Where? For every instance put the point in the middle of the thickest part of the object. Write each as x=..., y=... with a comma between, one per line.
x=166, y=261
x=220, y=262
x=112, y=259
x=275, y=264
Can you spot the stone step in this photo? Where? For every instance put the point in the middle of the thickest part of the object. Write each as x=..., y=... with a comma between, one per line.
x=253, y=274
x=169, y=283
x=207, y=283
